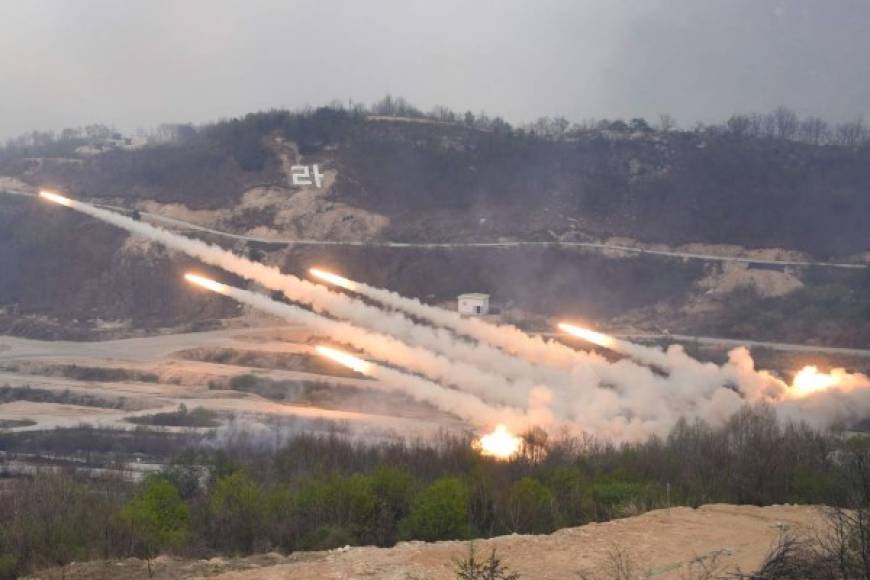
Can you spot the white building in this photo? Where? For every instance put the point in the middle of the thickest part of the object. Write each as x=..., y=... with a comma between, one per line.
x=474, y=303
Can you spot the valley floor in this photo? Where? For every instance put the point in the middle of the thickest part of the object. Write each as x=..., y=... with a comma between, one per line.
x=177, y=379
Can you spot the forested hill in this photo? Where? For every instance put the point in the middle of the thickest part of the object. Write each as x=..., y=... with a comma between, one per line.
x=392, y=173
x=755, y=181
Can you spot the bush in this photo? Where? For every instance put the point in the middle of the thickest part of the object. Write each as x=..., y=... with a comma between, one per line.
x=158, y=516
x=530, y=506
x=471, y=568
x=440, y=512
x=571, y=490
x=199, y=417
x=237, y=508
x=611, y=497
x=326, y=538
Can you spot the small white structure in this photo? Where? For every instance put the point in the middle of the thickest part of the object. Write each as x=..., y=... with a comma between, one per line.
x=474, y=303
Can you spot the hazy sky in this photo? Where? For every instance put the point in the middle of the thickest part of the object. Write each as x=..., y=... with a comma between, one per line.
x=136, y=63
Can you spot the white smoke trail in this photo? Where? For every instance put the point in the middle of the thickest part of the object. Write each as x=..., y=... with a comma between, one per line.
x=623, y=400
x=464, y=405
x=489, y=386
x=505, y=336
x=339, y=305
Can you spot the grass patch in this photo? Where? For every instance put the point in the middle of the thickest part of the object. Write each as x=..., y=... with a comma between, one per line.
x=83, y=373
x=13, y=423
x=67, y=397
x=290, y=361
x=311, y=392
x=198, y=417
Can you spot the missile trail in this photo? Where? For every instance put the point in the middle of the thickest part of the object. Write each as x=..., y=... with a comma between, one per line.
x=463, y=405
x=505, y=336
x=644, y=354
x=385, y=348
x=322, y=299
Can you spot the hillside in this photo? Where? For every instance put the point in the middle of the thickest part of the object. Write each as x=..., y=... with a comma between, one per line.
x=676, y=543
x=420, y=182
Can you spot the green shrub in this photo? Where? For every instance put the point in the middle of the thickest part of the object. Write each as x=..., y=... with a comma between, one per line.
x=530, y=507
x=158, y=516
x=237, y=507
x=440, y=512
x=326, y=538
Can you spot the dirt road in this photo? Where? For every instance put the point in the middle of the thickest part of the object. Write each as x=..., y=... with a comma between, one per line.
x=601, y=246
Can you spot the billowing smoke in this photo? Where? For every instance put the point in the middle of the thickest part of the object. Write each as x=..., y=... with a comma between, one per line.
x=505, y=336
x=385, y=348
x=464, y=405
x=630, y=399
x=322, y=299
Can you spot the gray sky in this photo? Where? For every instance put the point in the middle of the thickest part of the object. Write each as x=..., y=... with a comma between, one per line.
x=139, y=63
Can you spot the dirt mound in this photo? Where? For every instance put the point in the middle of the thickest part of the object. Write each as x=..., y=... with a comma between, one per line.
x=660, y=544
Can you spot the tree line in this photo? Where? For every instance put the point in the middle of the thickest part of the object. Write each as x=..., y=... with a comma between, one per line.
x=314, y=128
x=325, y=491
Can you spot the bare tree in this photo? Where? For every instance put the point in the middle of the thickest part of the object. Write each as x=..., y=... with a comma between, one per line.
x=560, y=126
x=813, y=130
x=739, y=125
x=851, y=134
x=667, y=123
x=443, y=114
x=785, y=122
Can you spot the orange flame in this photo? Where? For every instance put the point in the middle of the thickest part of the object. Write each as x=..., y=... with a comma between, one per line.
x=588, y=335
x=809, y=380
x=206, y=283
x=56, y=198
x=333, y=278
x=501, y=443
x=343, y=358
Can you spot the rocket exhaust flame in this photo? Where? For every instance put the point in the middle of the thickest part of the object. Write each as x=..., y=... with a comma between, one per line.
x=501, y=443
x=345, y=359
x=206, y=283
x=588, y=335
x=333, y=278
x=809, y=380
x=53, y=197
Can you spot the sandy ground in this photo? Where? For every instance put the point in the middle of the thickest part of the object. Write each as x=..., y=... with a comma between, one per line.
x=659, y=544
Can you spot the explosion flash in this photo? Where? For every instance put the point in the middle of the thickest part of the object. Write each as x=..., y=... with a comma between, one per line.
x=333, y=278
x=588, y=335
x=343, y=358
x=809, y=380
x=206, y=283
x=56, y=198
x=501, y=443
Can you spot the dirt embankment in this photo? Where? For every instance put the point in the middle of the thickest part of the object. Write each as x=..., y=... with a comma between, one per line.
x=659, y=544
